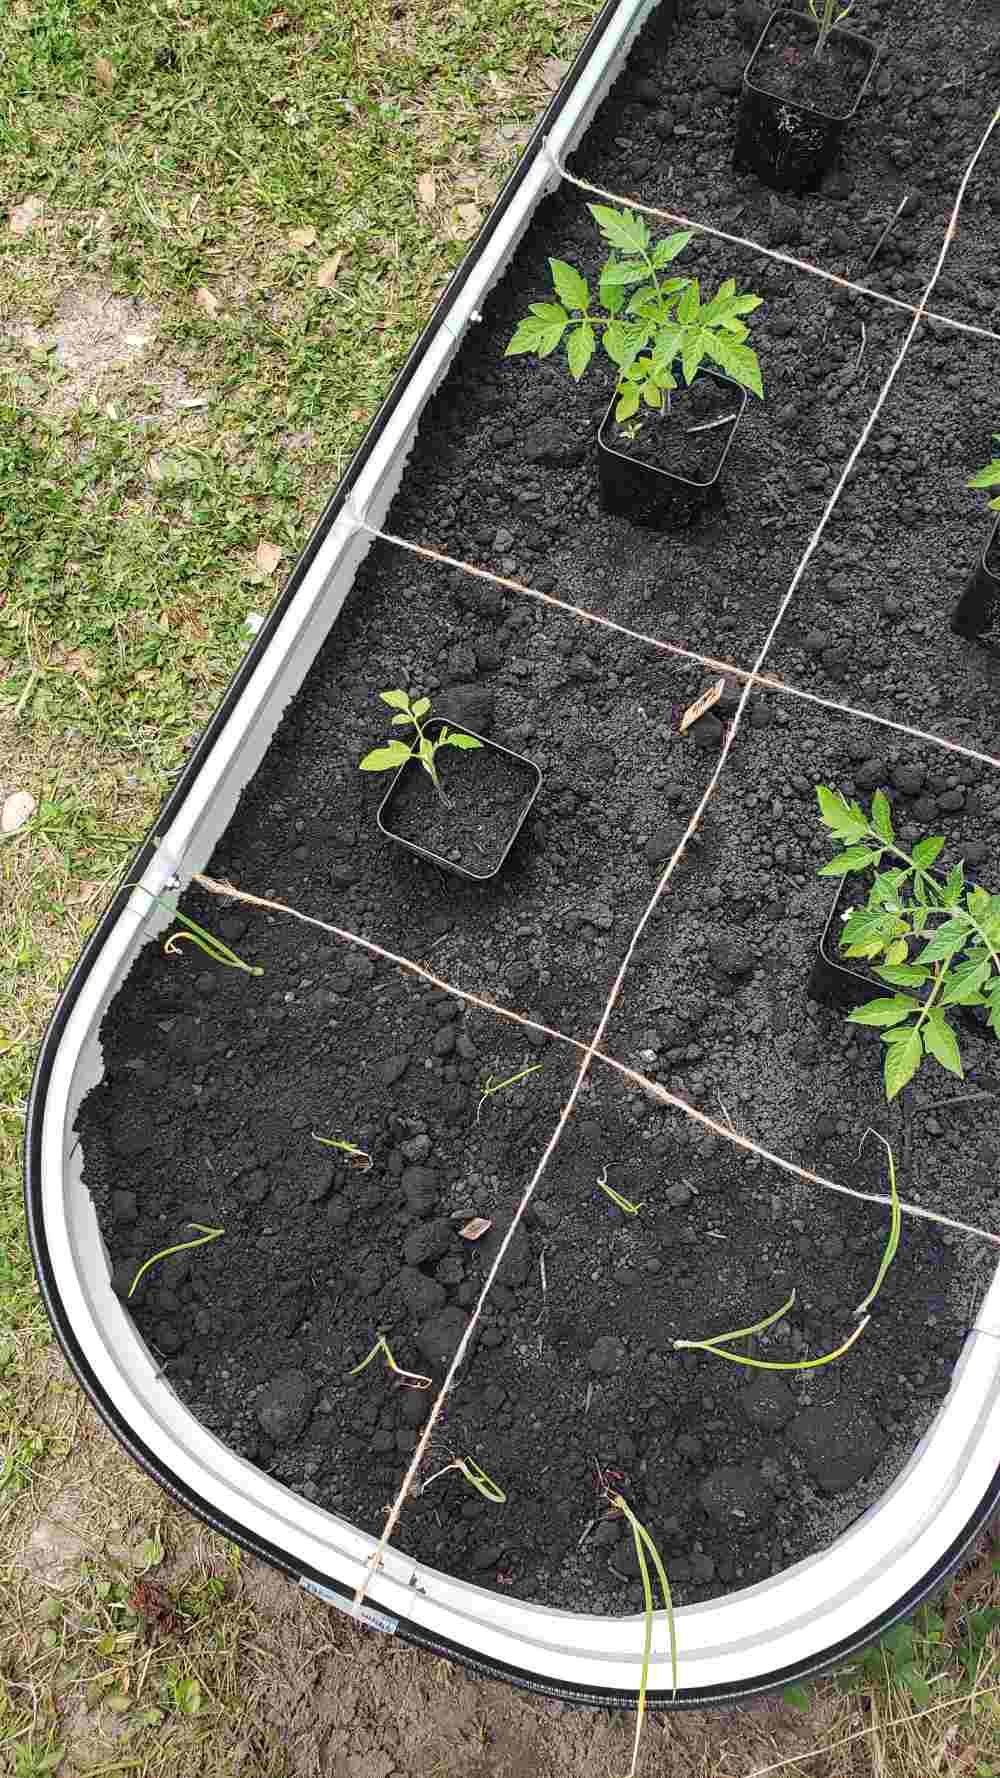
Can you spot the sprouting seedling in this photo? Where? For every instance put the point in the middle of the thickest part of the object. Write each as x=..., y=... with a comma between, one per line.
x=473, y=1474
x=493, y=1087
x=989, y=477
x=207, y=1234
x=357, y=1157
x=647, y=335
x=396, y=753
x=953, y=927
x=718, y=1343
x=409, y=1379
x=827, y=14
x=206, y=941
x=625, y=1204
x=644, y=1546
x=895, y=1224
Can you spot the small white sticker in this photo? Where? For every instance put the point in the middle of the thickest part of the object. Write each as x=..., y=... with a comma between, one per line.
x=362, y=1614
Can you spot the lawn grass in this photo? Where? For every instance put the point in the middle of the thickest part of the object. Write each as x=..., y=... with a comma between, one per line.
x=243, y=214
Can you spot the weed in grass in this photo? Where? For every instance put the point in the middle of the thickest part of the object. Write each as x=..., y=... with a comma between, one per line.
x=493, y=1087
x=409, y=1379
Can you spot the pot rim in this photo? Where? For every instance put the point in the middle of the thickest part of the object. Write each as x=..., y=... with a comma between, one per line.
x=462, y=870
x=672, y=475
x=803, y=105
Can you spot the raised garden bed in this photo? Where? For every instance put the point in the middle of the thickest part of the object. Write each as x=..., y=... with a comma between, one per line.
x=215, y=1084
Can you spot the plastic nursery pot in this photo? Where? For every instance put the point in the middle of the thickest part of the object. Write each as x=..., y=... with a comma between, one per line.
x=648, y=493
x=788, y=142
x=979, y=607
x=492, y=790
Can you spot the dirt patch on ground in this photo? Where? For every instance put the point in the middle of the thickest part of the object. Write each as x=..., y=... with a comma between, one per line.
x=95, y=338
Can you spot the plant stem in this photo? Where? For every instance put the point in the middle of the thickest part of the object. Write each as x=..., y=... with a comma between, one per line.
x=428, y=763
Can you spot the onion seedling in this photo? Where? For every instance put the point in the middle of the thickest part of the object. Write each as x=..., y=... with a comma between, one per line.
x=196, y=935
x=644, y=1546
x=396, y=753
x=497, y=1086
x=205, y=1236
x=624, y=1204
x=717, y=1345
x=409, y=1379
x=357, y=1157
x=474, y=1474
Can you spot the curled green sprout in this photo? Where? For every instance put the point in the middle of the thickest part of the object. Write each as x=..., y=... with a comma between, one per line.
x=409, y=1379
x=717, y=1345
x=644, y=1546
x=895, y=1225
x=207, y=1234
x=497, y=1086
x=474, y=1474
x=358, y=1157
x=624, y=1204
x=206, y=941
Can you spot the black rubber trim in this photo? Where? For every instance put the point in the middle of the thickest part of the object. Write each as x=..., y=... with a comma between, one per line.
x=102, y=1402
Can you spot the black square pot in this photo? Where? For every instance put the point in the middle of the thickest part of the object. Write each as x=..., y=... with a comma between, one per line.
x=790, y=144
x=391, y=808
x=979, y=607
x=651, y=495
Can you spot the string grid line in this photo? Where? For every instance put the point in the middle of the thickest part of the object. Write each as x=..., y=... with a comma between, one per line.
x=801, y=265
x=642, y=1082
x=596, y=1040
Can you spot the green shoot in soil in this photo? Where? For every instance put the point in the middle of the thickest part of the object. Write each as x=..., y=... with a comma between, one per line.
x=644, y=1546
x=624, y=1204
x=827, y=15
x=206, y=941
x=205, y=1236
x=395, y=753
x=664, y=322
x=717, y=1345
x=989, y=477
x=895, y=1226
x=357, y=1157
x=474, y=1474
x=497, y=1086
x=959, y=964
x=409, y=1379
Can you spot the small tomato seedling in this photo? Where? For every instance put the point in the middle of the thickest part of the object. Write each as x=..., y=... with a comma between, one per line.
x=647, y=333
x=396, y=753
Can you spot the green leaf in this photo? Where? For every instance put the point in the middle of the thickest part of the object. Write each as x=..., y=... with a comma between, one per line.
x=548, y=313
x=797, y=1698
x=867, y=923
x=621, y=229
x=667, y=341
x=624, y=341
x=692, y=353
x=986, y=478
x=421, y=707
x=903, y=975
x=884, y=1012
x=580, y=349
x=948, y=939
x=667, y=250
x=396, y=700
x=464, y=743
x=744, y=366
x=901, y=1063
x=384, y=759
x=964, y=983
x=939, y=1041
x=882, y=816
x=549, y=338
x=628, y=402
x=612, y=295
x=403, y=720
x=835, y=813
x=925, y=851
x=571, y=288
x=855, y=858
x=624, y=271
x=954, y=886
x=524, y=338
x=689, y=307
x=898, y=952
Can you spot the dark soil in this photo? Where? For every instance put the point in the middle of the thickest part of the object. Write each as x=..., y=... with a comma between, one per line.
x=690, y=438
x=489, y=791
x=787, y=65
x=215, y=1082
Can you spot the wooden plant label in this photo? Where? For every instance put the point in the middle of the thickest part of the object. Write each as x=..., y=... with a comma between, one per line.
x=700, y=705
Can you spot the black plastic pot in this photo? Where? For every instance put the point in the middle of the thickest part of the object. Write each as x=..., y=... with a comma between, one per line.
x=519, y=765
x=979, y=607
x=651, y=495
x=790, y=144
